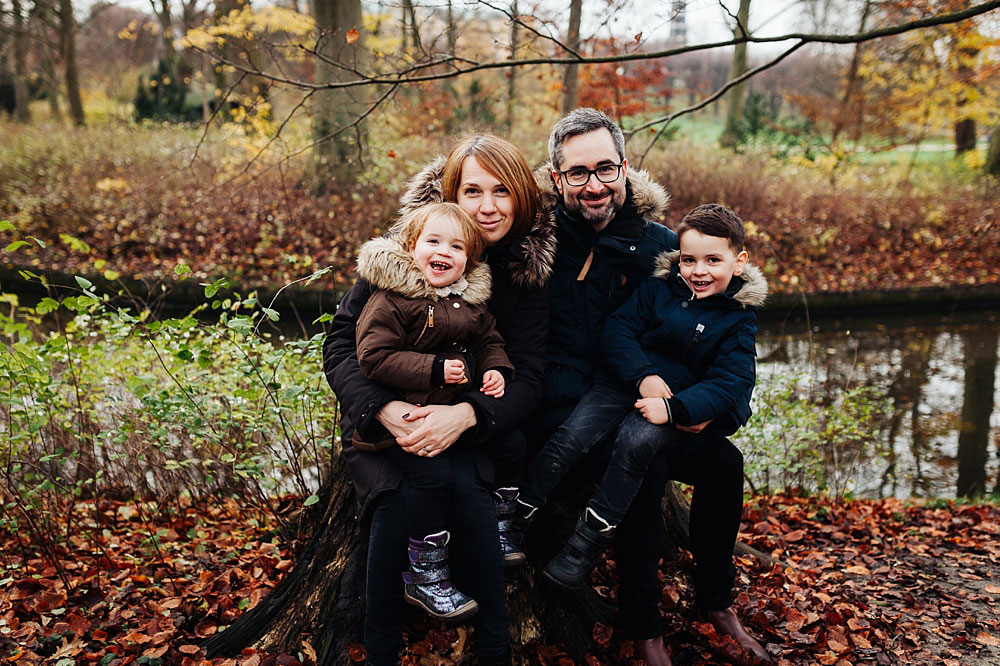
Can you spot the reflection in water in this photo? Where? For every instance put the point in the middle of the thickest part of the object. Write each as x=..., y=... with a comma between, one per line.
x=940, y=435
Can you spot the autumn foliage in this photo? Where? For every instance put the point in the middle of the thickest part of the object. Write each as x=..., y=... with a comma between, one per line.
x=880, y=582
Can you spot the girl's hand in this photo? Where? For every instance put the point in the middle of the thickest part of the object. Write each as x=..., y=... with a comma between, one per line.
x=493, y=383
x=653, y=410
x=454, y=372
x=653, y=386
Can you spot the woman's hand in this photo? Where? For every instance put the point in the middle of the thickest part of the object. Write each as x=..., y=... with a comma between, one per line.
x=653, y=386
x=438, y=427
x=493, y=383
x=653, y=410
x=391, y=416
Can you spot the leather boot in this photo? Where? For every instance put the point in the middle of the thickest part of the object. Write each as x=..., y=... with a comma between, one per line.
x=428, y=582
x=726, y=622
x=652, y=651
x=573, y=564
x=505, y=503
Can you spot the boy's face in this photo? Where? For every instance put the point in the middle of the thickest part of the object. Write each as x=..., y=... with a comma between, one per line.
x=708, y=263
x=439, y=251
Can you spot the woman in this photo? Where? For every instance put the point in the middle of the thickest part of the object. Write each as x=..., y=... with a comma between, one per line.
x=489, y=178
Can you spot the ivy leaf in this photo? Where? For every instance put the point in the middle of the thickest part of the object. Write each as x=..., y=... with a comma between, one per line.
x=16, y=245
x=312, y=499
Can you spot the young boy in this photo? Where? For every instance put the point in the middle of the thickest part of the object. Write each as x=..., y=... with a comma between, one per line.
x=685, y=342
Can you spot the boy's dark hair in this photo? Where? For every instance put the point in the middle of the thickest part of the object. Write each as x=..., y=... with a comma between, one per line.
x=715, y=220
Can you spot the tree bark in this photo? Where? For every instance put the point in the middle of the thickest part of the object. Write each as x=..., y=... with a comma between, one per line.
x=980, y=347
x=512, y=73
x=992, y=165
x=571, y=73
x=21, y=113
x=323, y=595
x=734, y=115
x=851, y=110
x=67, y=40
x=965, y=135
x=339, y=151
x=452, y=30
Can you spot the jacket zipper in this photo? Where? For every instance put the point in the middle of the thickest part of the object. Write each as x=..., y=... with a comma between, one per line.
x=429, y=323
x=698, y=330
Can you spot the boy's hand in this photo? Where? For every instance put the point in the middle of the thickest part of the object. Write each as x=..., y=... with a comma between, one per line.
x=454, y=372
x=653, y=410
x=653, y=386
x=493, y=383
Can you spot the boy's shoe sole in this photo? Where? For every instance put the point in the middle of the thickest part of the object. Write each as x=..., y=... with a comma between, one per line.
x=513, y=559
x=462, y=613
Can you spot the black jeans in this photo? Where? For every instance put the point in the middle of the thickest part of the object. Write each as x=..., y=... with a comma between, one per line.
x=475, y=559
x=604, y=410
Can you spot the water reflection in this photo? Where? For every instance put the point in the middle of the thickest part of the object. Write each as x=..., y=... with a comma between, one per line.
x=940, y=436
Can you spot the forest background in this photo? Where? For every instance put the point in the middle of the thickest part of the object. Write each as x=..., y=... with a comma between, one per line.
x=184, y=186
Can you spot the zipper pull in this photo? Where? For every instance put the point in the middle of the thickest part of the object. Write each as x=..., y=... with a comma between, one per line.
x=430, y=316
x=698, y=330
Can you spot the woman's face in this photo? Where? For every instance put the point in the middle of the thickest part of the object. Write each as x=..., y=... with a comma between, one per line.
x=486, y=199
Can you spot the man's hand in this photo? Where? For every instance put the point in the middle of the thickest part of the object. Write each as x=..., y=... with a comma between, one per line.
x=454, y=371
x=439, y=426
x=493, y=383
x=653, y=410
x=653, y=386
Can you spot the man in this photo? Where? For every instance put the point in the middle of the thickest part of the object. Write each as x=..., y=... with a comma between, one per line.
x=607, y=243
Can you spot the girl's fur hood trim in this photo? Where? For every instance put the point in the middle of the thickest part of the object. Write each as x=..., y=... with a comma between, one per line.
x=651, y=199
x=753, y=293
x=532, y=263
x=386, y=264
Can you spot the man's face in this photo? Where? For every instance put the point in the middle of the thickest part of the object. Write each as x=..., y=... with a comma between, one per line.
x=594, y=201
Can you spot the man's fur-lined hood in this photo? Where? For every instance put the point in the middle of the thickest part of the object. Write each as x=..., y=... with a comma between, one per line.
x=650, y=199
x=753, y=293
x=386, y=264
x=533, y=253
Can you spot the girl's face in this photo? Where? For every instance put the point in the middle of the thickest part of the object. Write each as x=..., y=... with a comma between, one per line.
x=439, y=251
x=486, y=199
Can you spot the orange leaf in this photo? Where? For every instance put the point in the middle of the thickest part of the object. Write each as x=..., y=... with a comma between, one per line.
x=189, y=649
x=986, y=639
x=858, y=569
x=352, y=36
x=391, y=154
x=993, y=589
x=357, y=652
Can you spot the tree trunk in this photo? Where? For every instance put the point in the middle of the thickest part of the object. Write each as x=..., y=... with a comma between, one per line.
x=965, y=135
x=452, y=30
x=21, y=113
x=323, y=595
x=571, y=73
x=734, y=115
x=67, y=40
x=338, y=153
x=851, y=108
x=512, y=73
x=992, y=165
x=980, y=347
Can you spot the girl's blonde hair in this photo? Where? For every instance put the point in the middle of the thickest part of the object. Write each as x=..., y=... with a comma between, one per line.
x=501, y=159
x=411, y=225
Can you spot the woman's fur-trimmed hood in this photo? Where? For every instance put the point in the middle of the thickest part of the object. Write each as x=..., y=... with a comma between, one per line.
x=533, y=253
x=386, y=264
x=650, y=199
x=753, y=293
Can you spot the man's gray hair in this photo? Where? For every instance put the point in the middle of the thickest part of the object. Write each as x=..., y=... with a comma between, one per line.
x=581, y=121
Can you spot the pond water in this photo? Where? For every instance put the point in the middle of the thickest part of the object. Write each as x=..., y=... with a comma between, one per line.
x=937, y=372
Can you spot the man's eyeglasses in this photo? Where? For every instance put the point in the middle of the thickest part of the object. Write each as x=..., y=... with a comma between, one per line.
x=606, y=173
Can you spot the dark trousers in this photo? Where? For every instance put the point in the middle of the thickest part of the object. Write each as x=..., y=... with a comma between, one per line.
x=475, y=559
x=431, y=479
x=604, y=410
x=715, y=468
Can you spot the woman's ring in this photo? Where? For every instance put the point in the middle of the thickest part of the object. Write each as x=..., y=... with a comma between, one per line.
x=424, y=450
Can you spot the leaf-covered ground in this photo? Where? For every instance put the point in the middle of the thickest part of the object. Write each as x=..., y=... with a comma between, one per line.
x=862, y=582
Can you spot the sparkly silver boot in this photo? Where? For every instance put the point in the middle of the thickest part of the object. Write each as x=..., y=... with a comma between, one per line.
x=428, y=582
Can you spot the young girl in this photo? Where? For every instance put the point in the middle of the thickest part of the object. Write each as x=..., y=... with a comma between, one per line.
x=427, y=332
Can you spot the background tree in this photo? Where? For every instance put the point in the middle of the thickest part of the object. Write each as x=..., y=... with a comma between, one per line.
x=571, y=72
x=734, y=112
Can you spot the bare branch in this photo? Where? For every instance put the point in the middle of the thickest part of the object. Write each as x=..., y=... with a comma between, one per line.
x=509, y=15
x=215, y=112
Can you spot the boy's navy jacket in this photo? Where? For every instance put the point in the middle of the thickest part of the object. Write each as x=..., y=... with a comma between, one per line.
x=704, y=349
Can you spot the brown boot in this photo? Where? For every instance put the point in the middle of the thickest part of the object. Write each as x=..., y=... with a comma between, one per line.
x=652, y=651
x=726, y=622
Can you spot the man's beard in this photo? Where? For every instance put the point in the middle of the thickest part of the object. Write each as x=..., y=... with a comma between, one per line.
x=596, y=215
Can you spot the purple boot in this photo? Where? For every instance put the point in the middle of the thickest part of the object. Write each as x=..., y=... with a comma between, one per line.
x=428, y=582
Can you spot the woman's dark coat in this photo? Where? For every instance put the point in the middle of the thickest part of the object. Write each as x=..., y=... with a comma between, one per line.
x=519, y=303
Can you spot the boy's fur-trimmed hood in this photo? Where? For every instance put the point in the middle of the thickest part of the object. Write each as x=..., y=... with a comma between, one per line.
x=753, y=293
x=651, y=200
x=533, y=253
x=386, y=264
